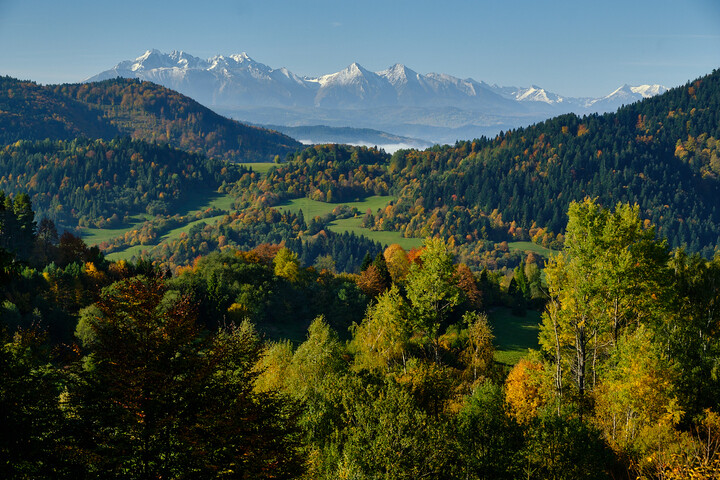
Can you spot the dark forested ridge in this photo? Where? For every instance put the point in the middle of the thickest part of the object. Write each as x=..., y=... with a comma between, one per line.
x=142, y=110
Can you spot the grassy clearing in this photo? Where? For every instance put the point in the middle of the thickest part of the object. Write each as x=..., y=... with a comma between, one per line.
x=127, y=254
x=260, y=167
x=313, y=208
x=94, y=236
x=173, y=234
x=352, y=225
x=201, y=201
x=531, y=247
x=195, y=202
x=514, y=335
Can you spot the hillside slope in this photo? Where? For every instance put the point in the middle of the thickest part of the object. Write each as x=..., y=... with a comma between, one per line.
x=102, y=183
x=662, y=153
x=142, y=110
x=29, y=111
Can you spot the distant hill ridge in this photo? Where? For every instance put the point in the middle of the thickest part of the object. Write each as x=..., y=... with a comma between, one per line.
x=141, y=110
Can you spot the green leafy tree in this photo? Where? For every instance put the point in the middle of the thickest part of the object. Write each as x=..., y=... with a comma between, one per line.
x=609, y=276
x=638, y=395
x=287, y=264
x=479, y=350
x=392, y=438
x=489, y=439
x=432, y=290
x=565, y=447
x=382, y=339
x=33, y=434
x=156, y=398
x=314, y=377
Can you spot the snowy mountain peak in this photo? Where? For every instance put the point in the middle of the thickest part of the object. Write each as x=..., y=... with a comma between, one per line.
x=627, y=91
x=352, y=74
x=532, y=94
x=398, y=74
x=151, y=59
x=242, y=57
x=149, y=53
x=185, y=60
x=397, y=95
x=648, y=91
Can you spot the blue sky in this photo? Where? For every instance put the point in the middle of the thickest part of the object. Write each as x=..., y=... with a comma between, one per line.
x=577, y=48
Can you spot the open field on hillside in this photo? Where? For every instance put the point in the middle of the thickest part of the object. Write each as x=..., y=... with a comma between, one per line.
x=531, y=247
x=352, y=225
x=313, y=208
x=94, y=236
x=136, y=250
x=260, y=167
x=514, y=335
x=194, y=203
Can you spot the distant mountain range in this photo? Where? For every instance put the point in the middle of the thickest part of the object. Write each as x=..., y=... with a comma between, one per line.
x=433, y=107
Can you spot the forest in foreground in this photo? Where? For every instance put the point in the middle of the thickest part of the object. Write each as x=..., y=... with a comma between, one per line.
x=120, y=370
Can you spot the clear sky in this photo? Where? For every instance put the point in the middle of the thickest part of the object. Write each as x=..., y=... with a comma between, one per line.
x=575, y=48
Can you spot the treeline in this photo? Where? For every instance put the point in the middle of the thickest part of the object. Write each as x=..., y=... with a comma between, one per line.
x=98, y=183
x=142, y=110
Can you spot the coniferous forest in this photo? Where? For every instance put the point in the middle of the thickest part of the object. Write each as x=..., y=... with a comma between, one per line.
x=259, y=343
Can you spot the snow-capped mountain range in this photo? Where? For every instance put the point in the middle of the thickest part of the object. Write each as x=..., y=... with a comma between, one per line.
x=397, y=99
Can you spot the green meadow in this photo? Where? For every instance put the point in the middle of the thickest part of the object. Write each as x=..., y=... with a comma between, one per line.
x=313, y=208
x=514, y=334
x=531, y=247
x=352, y=225
x=259, y=167
x=194, y=203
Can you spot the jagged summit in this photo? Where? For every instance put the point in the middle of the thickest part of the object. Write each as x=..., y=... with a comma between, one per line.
x=238, y=80
x=394, y=99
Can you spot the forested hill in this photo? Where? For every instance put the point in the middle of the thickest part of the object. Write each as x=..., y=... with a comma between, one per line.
x=101, y=183
x=32, y=112
x=142, y=110
x=661, y=153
